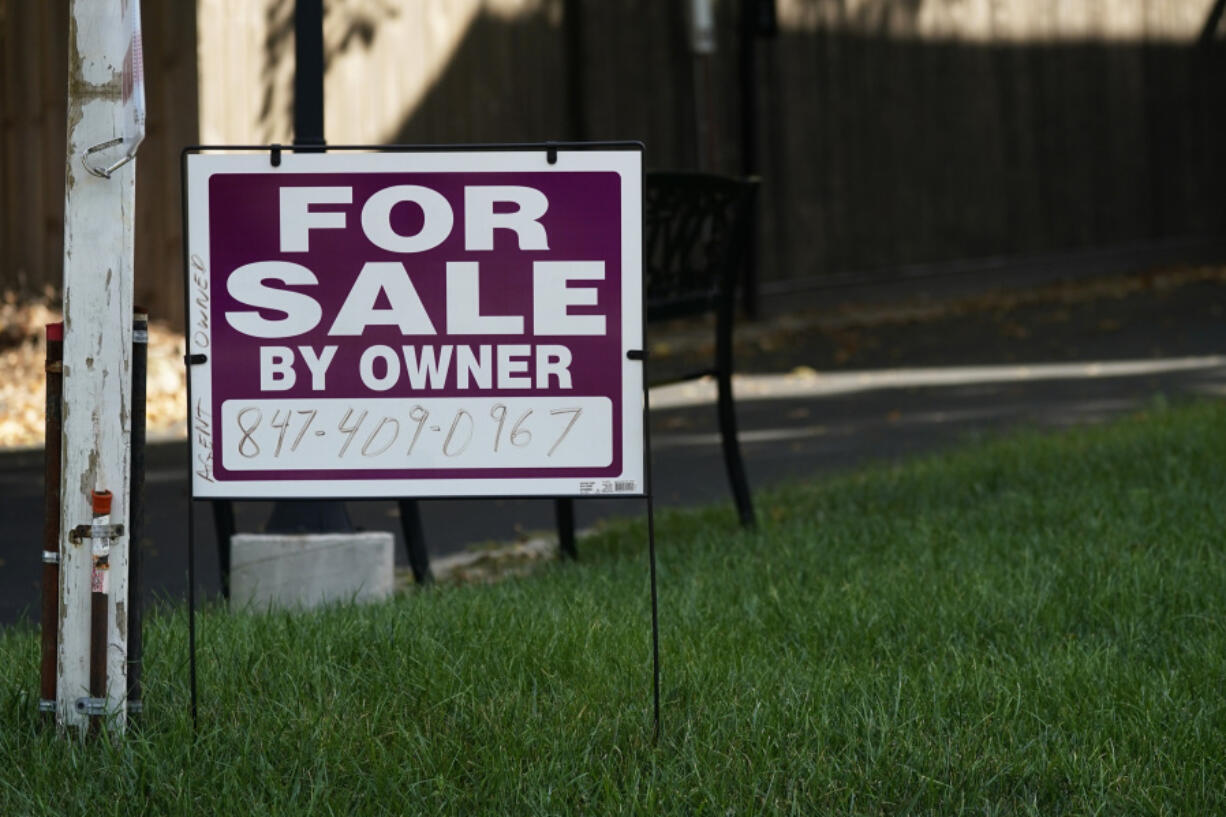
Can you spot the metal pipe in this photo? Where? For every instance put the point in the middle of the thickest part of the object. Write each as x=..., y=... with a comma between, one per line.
x=295, y=516
x=51, y=517
x=703, y=44
x=136, y=610
x=576, y=79
x=748, y=65
x=99, y=586
x=308, y=73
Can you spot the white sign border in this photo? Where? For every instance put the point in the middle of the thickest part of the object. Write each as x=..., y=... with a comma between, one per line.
x=200, y=163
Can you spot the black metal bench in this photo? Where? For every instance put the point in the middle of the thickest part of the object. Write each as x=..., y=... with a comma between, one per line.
x=695, y=236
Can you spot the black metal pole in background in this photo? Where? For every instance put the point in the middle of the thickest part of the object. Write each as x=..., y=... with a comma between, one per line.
x=576, y=77
x=1212, y=21
x=316, y=515
x=309, y=73
x=757, y=18
x=325, y=516
x=294, y=516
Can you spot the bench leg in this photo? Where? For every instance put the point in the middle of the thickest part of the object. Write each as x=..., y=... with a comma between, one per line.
x=732, y=453
x=564, y=512
x=415, y=541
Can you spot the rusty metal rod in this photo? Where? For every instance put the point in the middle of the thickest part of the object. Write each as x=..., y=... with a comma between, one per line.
x=51, y=517
x=99, y=585
x=140, y=359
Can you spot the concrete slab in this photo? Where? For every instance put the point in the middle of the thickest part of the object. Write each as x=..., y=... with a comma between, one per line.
x=304, y=570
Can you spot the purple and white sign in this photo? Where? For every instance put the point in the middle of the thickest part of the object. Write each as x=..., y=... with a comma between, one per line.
x=415, y=323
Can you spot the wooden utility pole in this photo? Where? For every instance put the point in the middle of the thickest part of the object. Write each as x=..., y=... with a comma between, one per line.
x=104, y=73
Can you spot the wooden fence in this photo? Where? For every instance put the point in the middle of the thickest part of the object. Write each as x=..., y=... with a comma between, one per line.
x=33, y=102
x=890, y=133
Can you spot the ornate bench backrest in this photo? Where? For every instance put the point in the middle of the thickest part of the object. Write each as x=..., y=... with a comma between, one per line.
x=695, y=235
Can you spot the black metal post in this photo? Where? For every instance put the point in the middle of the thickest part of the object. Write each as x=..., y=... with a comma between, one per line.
x=749, y=144
x=725, y=406
x=309, y=72
x=576, y=108
x=189, y=471
x=136, y=505
x=1212, y=21
x=564, y=514
x=415, y=541
x=298, y=516
x=757, y=17
x=191, y=593
x=748, y=76
x=649, y=490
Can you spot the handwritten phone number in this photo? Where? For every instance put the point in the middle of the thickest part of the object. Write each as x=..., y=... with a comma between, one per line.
x=374, y=433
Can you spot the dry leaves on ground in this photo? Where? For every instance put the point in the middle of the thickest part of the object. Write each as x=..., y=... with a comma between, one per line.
x=23, y=388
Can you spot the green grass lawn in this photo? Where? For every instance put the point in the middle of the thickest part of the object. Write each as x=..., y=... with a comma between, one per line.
x=1030, y=626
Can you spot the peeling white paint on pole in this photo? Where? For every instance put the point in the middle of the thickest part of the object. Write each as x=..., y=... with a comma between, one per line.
x=98, y=253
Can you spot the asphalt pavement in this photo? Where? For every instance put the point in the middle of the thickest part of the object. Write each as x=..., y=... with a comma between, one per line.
x=819, y=390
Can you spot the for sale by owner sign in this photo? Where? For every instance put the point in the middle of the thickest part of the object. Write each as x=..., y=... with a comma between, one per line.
x=447, y=323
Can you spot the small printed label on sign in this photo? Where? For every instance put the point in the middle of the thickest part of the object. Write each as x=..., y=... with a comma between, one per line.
x=607, y=486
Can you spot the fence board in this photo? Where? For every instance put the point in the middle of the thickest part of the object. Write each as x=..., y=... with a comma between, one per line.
x=891, y=133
